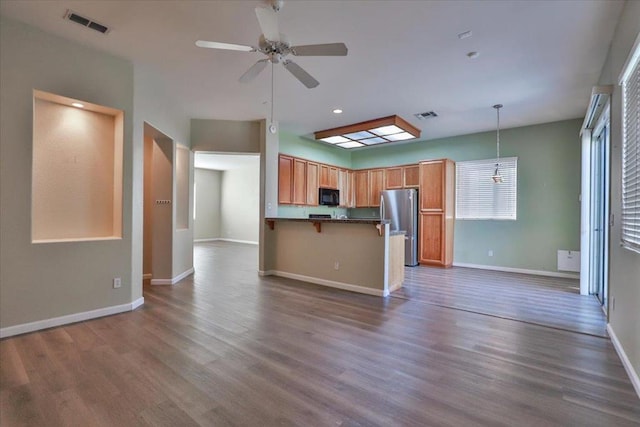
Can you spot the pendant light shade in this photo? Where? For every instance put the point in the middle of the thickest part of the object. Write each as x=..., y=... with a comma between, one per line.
x=497, y=178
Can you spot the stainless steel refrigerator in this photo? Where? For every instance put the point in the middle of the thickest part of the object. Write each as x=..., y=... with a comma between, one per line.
x=400, y=207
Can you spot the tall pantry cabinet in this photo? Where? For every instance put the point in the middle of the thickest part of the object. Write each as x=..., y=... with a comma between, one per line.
x=437, y=196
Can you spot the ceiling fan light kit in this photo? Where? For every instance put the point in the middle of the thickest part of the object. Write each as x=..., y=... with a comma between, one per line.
x=372, y=132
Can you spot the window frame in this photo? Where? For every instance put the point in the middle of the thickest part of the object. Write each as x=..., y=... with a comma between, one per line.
x=630, y=215
x=508, y=167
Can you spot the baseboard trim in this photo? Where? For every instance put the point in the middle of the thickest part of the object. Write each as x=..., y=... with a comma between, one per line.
x=246, y=242
x=173, y=281
x=223, y=239
x=147, y=276
x=518, y=270
x=68, y=319
x=633, y=375
x=329, y=283
x=265, y=273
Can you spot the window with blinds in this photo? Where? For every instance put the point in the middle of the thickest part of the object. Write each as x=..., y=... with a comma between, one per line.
x=631, y=153
x=478, y=197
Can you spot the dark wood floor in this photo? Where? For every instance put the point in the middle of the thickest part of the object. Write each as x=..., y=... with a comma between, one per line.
x=226, y=347
x=548, y=301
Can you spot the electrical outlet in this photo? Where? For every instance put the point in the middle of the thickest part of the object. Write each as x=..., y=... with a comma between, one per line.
x=490, y=253
x=117, y=282
x=336, y=265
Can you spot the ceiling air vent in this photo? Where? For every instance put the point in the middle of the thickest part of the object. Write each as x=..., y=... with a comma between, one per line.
x=86, y=22
x=427, y=115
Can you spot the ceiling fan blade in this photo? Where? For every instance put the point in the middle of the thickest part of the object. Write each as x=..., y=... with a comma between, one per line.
x=329, y=49
x=300, y=74
x=268, y=23
x=253, y=71
x=226, y=46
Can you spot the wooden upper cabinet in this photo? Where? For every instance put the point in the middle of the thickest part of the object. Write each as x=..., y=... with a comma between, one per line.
x=299, y=182
x=323, y=180
x=328, y=176
x=333, y=177
x=393, y=178
x=285, y=180
x=313, y=169
x=411, y=176
x=344, y=186
x=376, y=185
x=432, y=185
x=361, y=179
x=350, y=201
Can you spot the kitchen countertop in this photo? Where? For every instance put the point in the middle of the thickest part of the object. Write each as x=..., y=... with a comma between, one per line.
x=335, y=220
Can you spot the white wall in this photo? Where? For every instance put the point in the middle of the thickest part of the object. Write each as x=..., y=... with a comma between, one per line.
x=43, y=281
x=240, y=203
x=153, y=106
x=207, y=222
x=624, y=271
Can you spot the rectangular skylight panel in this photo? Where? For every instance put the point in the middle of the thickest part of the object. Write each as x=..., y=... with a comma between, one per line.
x=335, y=139
x=400, y=136
x=359, y=135
x=387, y=130
x=373, y=141
x=350, y=144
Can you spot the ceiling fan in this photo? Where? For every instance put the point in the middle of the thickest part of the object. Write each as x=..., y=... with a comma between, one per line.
x=276, y=47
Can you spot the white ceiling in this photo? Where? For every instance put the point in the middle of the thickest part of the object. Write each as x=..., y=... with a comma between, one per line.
x=225, y=162
x=538, y=58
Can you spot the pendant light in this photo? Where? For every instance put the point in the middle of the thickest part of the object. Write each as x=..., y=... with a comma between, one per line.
x=497, y=178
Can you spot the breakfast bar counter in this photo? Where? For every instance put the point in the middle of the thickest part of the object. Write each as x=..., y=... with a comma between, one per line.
x=360, y=255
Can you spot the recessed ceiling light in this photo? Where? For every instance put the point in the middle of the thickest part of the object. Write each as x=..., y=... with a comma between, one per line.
x=77, y=105
x=465, y=35
x=473, y=55
x=337, y=111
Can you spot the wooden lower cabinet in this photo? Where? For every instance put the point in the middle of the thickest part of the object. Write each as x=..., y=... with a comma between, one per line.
x=431, y=239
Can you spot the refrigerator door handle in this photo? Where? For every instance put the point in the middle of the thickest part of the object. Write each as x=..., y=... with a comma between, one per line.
x=381, y=207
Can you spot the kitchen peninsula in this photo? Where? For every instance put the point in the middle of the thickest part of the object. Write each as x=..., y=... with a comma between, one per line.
x=360, y=255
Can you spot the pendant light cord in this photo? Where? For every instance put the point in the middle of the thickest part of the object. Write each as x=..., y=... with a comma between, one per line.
x=498, y=107
x=272, y=83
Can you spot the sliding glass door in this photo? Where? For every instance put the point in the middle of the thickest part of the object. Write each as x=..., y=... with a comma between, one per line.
x=600, y=211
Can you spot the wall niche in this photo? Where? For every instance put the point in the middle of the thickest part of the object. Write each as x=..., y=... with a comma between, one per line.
x=76, y=170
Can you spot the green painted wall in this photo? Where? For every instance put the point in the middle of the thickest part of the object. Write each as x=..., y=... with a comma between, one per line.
x=548, y=189
x=294, y=145
x=548, y=192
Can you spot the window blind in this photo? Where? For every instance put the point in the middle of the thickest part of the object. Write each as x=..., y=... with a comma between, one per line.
x=478, y=197
x=631, y=158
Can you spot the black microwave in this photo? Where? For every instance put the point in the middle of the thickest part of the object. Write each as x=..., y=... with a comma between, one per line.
x=329, y=197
